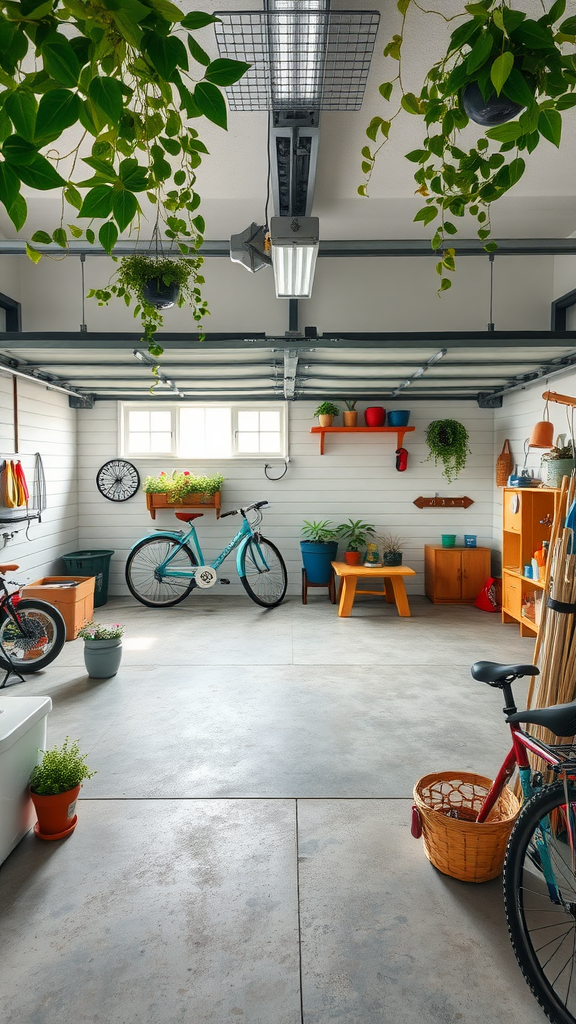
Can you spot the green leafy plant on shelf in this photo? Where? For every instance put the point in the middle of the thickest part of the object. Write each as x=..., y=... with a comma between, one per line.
x=181, y=485
x=524, y=69
x=355, y=533
x=136, y=272
x=101, y=631
x=327, y=409
x=319, y=532
x=448, y=444
x=108, y=88
x=61, y=769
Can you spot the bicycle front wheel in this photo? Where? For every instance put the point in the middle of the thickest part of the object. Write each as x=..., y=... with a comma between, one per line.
x=38, y=638
x=263, y=572
x=542, y=917
x=145, y=579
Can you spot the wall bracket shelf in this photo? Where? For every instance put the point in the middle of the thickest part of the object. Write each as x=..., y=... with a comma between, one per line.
x=399, y=431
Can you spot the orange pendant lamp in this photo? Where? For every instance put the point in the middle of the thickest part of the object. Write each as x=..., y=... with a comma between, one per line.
x=542, y=435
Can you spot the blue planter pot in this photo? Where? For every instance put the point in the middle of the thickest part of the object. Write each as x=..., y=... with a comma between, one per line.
x=398, y=418
x=317, y=560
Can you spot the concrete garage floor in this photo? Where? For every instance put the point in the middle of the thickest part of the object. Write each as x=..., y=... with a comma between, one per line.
x=244, y=852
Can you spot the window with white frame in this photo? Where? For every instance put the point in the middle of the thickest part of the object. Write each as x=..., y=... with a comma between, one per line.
x=203, y=432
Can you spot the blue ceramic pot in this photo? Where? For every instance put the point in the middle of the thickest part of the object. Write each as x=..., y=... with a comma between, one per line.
x=398, y=418
x=317, y=560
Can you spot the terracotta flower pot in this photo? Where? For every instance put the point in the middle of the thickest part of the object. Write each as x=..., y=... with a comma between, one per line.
x=375, y=416
x=350, y=418
x=325, y=421
x=56, y=814
x=352, y=557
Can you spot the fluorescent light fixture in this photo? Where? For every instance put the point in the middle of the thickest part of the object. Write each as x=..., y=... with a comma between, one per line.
x=295, y=243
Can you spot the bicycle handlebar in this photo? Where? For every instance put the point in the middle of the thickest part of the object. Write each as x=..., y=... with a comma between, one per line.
x=242, y=511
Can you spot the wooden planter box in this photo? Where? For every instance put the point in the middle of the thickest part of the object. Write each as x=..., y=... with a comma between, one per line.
x=203, y=501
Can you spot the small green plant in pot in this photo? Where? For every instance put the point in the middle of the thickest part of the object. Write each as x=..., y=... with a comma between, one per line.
x=326, y=412
x=391, y=550
x=319, y=548
x=102, y=648
x=448, y=444
x=54, y=787
x=351, y=414
x=155, y=283
x=356, y=534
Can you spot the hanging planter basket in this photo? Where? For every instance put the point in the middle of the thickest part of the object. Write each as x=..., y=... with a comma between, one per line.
x=492, y=112
x=160, y=295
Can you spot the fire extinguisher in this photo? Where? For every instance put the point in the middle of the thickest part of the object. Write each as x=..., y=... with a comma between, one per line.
x=401, y=459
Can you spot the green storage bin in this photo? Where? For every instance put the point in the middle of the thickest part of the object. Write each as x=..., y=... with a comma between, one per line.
x=91, y=563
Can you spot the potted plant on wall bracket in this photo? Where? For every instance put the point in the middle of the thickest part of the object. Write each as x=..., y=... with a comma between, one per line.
x=356, y=534
x=448, y=444
x=108, y=89
x=512, y=74
x=182, y=489
x=155, y=283
x=326, y=412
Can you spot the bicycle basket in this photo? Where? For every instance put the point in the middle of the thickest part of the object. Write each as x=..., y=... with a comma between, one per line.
x=454, y=842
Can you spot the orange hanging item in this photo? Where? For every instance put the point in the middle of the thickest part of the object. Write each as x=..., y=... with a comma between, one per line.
x=23, y=492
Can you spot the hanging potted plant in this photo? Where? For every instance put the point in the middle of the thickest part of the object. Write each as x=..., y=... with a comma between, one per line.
x=319, y=549
x=350, y=413
x=326, y=412
x=557, y=463
x=54, y=787
x=356, y=534
x=511, y=74
x=102, y=648
x=448, y=444
x=155, y=283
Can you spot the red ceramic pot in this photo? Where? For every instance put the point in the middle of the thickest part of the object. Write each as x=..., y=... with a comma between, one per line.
x=352, y=557
x=375, y=416
x=56, y=814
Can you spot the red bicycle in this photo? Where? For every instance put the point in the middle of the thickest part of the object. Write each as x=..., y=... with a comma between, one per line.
x=540, y=865
x=32, y=633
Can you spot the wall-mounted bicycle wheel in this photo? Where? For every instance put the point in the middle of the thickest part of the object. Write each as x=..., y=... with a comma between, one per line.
x=263, y=573
x=37, y=640
x=543, y=932
x=146, y=581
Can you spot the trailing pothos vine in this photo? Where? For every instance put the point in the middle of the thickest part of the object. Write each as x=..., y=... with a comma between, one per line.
x=504, y=53
x=105, y=88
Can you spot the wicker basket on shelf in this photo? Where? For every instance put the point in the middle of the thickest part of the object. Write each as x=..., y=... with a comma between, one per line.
x=448, y=804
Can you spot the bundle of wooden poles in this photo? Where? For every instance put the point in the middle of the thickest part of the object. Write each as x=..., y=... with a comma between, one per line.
x=555, y=652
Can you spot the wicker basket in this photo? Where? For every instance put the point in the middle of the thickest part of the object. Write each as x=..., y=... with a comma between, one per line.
x=504, y=465
x=459, y=846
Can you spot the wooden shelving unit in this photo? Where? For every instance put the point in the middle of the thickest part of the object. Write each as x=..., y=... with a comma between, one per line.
x=399, y=431
x=455, y=575
x=523, y=533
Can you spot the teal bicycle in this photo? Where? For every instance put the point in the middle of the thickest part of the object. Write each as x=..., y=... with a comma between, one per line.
x=165, y=567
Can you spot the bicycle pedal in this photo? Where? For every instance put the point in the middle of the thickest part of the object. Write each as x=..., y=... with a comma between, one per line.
x=224, y=581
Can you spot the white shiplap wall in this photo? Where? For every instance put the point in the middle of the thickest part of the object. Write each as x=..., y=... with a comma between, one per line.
x=520, y=411
x=356, y=477
x=46, y=425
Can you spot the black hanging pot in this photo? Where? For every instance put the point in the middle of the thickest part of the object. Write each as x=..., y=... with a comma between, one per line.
x=494, y=111
x=161, y=295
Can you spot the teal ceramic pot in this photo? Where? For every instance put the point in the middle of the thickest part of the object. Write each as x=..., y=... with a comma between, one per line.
x=318, y=560
x=102, y=657
x=448, y=540
x=554, y=469
x=398, y=418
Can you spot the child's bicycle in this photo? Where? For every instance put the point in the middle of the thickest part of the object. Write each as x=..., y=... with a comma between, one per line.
x=163, y=568
x=32, y=633
x=540, y=866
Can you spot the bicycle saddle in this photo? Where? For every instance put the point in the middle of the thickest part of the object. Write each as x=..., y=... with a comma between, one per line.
x=494, y=674
x=187, y=517
x=560, y=719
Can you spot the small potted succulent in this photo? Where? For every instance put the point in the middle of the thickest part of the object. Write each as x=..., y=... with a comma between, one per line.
x=326, y=412
x=102, y=648
x=319, y=548
x=391, y=550
x=350, y=414
x=54, y=787
x=356, y=534
x=558, y=462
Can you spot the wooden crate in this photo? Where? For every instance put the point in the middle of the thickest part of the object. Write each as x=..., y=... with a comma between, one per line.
x=75, y=604
x=200, y=501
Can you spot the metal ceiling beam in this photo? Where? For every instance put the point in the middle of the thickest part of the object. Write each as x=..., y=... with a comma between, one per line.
x=329, y=340
x=345, y=248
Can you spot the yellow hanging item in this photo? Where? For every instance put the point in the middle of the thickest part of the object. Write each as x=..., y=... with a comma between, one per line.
x=10, y=495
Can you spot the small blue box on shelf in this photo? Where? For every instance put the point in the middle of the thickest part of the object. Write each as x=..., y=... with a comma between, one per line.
x=469, y=540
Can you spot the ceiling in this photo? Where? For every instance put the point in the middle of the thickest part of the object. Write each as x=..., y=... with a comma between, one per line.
x=232, y=181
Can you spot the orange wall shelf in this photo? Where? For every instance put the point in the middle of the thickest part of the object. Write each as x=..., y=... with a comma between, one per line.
x=399, y=431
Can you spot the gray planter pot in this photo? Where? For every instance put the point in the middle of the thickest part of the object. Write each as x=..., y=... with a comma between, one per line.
x=102, y=657
x=554, y=469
